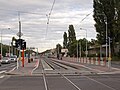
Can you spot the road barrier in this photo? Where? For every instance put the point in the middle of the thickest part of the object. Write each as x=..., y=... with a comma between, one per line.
x=90, y=60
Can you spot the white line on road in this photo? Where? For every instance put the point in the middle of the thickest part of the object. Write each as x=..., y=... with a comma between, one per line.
x=2, y=71
x=71, y=82
x=45, y=82
x=12, y=69
x=36, y=66
x=13, y=65
x=2, y=76
x=100, y=83
x=45, y=65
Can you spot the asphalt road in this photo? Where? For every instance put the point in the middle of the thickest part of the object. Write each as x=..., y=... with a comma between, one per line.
x=7, y=67
x=57, y=82
x=62, y=77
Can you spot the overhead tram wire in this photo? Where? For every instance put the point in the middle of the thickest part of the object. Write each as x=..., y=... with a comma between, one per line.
x=84, y=18
x=48, y=16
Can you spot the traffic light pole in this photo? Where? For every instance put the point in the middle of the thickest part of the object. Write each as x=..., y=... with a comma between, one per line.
x=23, y=58
x=19, y=34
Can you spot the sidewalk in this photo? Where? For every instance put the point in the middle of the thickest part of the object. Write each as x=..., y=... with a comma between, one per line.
x=26, y=70
x=93, y=67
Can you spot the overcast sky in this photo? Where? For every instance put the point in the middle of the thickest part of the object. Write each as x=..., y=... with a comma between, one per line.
x=34, y=21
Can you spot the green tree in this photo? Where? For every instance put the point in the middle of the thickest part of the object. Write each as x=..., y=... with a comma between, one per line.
x=104, y=11
x=58, y=48
x=65, y=40
x=71, y=40
x=72, y=49
x=71, y=34
x=117, y=19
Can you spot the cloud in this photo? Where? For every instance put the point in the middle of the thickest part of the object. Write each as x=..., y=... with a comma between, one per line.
x=34, y=20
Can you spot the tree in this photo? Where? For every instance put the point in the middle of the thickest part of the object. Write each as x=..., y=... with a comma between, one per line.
x=93, y=42
x=58, y=48
x=71, y=40
x=71, y=34
x=65, y=40
x=104, y=11
x=117, y=20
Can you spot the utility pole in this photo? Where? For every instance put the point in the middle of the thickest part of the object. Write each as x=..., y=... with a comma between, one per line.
x=106, y=39
x=9, y=49
x=77, y=50
x=19, y=35
x=80, y=50
x=1, y=44
x=109, y=59
x=86, y=46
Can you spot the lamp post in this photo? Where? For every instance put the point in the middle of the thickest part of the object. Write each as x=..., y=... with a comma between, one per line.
x=106, y=38
x=86, y=42
x=80, y=51
x=109, y=59
x=77, y=52
x=1, y=44
x=1, y=40
x=106, y=28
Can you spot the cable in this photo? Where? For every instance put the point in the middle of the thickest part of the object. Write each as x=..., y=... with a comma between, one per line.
x=84, y=18
x=48, y=16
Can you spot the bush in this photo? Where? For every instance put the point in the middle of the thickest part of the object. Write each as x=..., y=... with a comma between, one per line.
x=115, y=58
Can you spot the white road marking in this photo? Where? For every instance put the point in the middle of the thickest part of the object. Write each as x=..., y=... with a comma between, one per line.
x=115, y=68
x=2, y=76
x=2, y=71
x=45, y=65
x=36, y=66
x=12, y=70
x=13, y=65
x=45, y=83
x=71, y=83
x=100, y=83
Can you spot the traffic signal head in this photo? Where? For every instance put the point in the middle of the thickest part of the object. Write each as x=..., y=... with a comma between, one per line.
x=23, y=45
x=20, y=43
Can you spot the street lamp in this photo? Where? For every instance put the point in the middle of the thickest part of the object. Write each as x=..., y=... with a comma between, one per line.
x=86, y=41
x=77, y=52
x=1, y=40
x=106, y=27
x=78, y=44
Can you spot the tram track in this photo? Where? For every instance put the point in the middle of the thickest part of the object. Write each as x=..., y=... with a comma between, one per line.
x=72, y=82
x=61, y=75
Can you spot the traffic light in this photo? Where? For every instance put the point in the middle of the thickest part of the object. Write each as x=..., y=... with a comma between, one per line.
x=20, y=43
x=23, y=45
x=16, y=43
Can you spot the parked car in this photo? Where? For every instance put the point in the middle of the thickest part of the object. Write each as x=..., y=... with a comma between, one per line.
x=13, y=58
x=5, y=60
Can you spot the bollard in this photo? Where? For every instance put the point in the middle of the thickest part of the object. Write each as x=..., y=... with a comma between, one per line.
x=90, y=60
x=98, y=61
x=104, y=61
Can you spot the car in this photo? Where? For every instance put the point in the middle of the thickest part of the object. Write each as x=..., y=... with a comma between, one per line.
x=13, y=58
x=5, y=60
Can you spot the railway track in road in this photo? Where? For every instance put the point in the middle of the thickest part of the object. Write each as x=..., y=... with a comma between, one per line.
x=62, y=78
x=44, y=80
